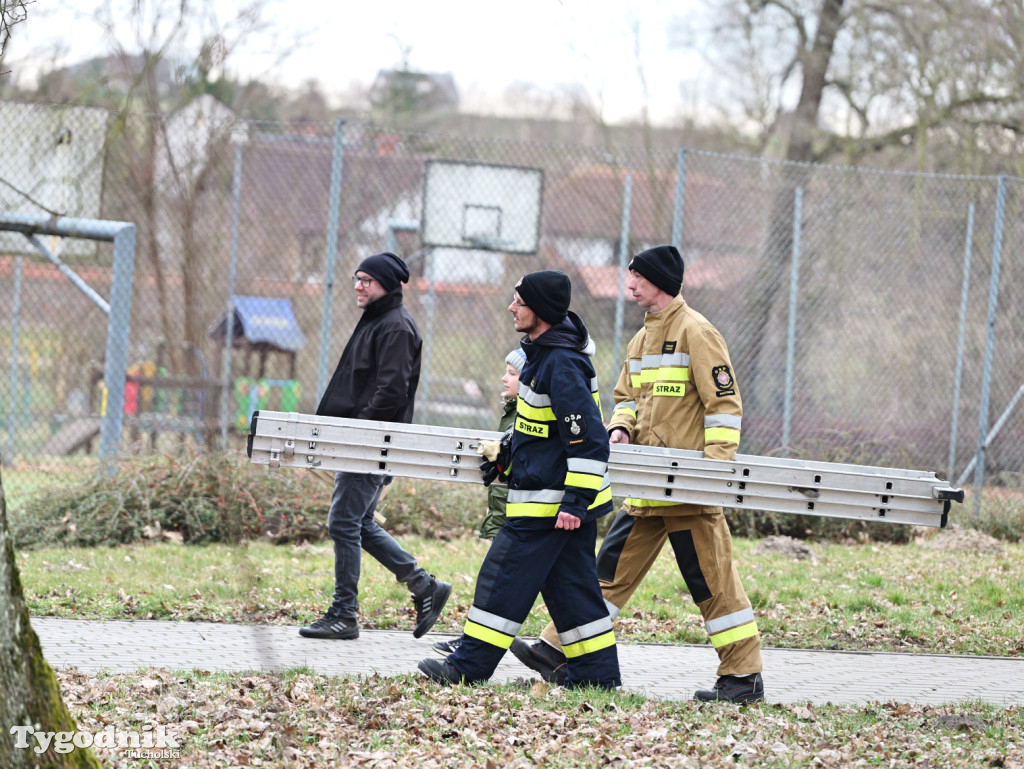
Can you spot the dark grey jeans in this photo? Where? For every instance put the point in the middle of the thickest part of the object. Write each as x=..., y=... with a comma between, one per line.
x=352, y=528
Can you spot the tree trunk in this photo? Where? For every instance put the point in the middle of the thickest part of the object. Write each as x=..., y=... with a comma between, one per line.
x=29, y=694
x=768, y=284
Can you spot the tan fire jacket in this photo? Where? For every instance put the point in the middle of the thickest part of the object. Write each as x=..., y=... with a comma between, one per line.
x=677, y=389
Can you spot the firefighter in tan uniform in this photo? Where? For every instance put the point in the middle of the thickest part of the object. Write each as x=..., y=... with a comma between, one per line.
x=676, y=389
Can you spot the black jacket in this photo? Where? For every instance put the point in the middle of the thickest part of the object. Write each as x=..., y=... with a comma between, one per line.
x=560, y=447
x=379, y=370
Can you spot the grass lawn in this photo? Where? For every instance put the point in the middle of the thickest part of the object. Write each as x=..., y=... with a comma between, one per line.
x=916, y=597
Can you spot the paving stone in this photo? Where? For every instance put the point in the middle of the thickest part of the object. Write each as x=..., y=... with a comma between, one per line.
x=657, y=670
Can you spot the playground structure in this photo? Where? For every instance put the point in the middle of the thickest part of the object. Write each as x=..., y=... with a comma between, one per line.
x=158, y=401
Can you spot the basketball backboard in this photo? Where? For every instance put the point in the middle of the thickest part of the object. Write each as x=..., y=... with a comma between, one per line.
x=51, y=161
x=481, y=206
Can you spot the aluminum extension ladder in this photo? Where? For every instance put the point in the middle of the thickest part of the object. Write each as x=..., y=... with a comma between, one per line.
x=768, y=484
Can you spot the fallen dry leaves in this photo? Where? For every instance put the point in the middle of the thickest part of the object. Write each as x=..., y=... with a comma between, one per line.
x=304, y=721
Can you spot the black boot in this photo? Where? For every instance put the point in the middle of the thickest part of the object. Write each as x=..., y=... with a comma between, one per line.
x=741, y=689
x=441, y=671
x=542, y=657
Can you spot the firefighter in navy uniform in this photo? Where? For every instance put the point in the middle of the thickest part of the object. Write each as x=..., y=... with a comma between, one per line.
x=676, y=389
x=555, y=459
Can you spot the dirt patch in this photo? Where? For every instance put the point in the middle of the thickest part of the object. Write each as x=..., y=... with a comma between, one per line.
x=787, y=547
x=957, y=539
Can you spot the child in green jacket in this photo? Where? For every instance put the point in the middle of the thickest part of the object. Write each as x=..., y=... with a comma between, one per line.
x=497, y=493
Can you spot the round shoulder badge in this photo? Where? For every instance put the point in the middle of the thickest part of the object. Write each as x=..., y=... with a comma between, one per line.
x=724, y=384
x=573, y=425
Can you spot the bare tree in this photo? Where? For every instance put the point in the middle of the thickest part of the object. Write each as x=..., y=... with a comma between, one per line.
x=12, y=12
x=29, y=695
x=936, y=85
x=178, y=181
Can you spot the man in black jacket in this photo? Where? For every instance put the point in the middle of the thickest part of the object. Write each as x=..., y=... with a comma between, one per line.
x=376, y=379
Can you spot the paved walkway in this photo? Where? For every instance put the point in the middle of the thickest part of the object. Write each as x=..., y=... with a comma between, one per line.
x=662, y=671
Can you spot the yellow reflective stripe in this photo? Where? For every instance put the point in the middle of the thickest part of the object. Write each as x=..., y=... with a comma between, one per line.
x=584, y=480
x=603, y=496
x=531, y=509
x=733, y=635
x=543, y=414
x=665, y=374
x=532, y=428
x=549, y=510
x=634, y=380
x=650, y=503
x=487, y=635
x=624, y=410
x=589, y=645
x=728, y=434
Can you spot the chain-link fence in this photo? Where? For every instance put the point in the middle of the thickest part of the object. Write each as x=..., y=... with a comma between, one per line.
x=872, y=317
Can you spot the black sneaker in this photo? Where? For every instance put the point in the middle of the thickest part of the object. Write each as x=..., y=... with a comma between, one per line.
x=430, y=606
x=741, y=689
x=447, y=647
x=441, y=671
x=544, y=658
x=332, y=627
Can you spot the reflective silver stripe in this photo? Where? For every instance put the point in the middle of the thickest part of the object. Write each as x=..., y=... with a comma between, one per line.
x=675, y=359
x=680, y=359
x=593, y=385
x=589, y=466
x=544, y=496
x=493, y=621
x=589, y=630
x=630, y=405
x=613, y=610
x=722, y=420
x=534, y=399
x=634, y=367
x=735, y=619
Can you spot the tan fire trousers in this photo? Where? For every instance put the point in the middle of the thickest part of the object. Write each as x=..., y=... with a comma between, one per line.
x=702, y=545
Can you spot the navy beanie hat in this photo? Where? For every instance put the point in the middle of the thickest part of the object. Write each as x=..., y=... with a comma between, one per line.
x=547, y=293
x=662, y=265
x=386, y=268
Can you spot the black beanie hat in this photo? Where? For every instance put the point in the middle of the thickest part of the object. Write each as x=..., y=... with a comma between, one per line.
x=387, y=268
x=547, y=293
x=663, y=266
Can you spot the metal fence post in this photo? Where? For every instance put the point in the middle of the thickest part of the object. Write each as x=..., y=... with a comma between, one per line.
x=794, y=295
x=12, y=410
x=627, y=204
x=990, y=339
x=333, y=215
x=678, y=209
x=428, y=335
x=118, y=327
x=958, y=376
x=238, y=138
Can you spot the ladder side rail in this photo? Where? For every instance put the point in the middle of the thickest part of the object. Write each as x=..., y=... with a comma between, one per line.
x=377, y=440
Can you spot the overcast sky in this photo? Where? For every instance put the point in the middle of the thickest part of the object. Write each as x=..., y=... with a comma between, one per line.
x=486, y=46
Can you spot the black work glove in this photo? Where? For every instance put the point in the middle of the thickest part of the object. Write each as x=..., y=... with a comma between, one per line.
x=497, y=456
